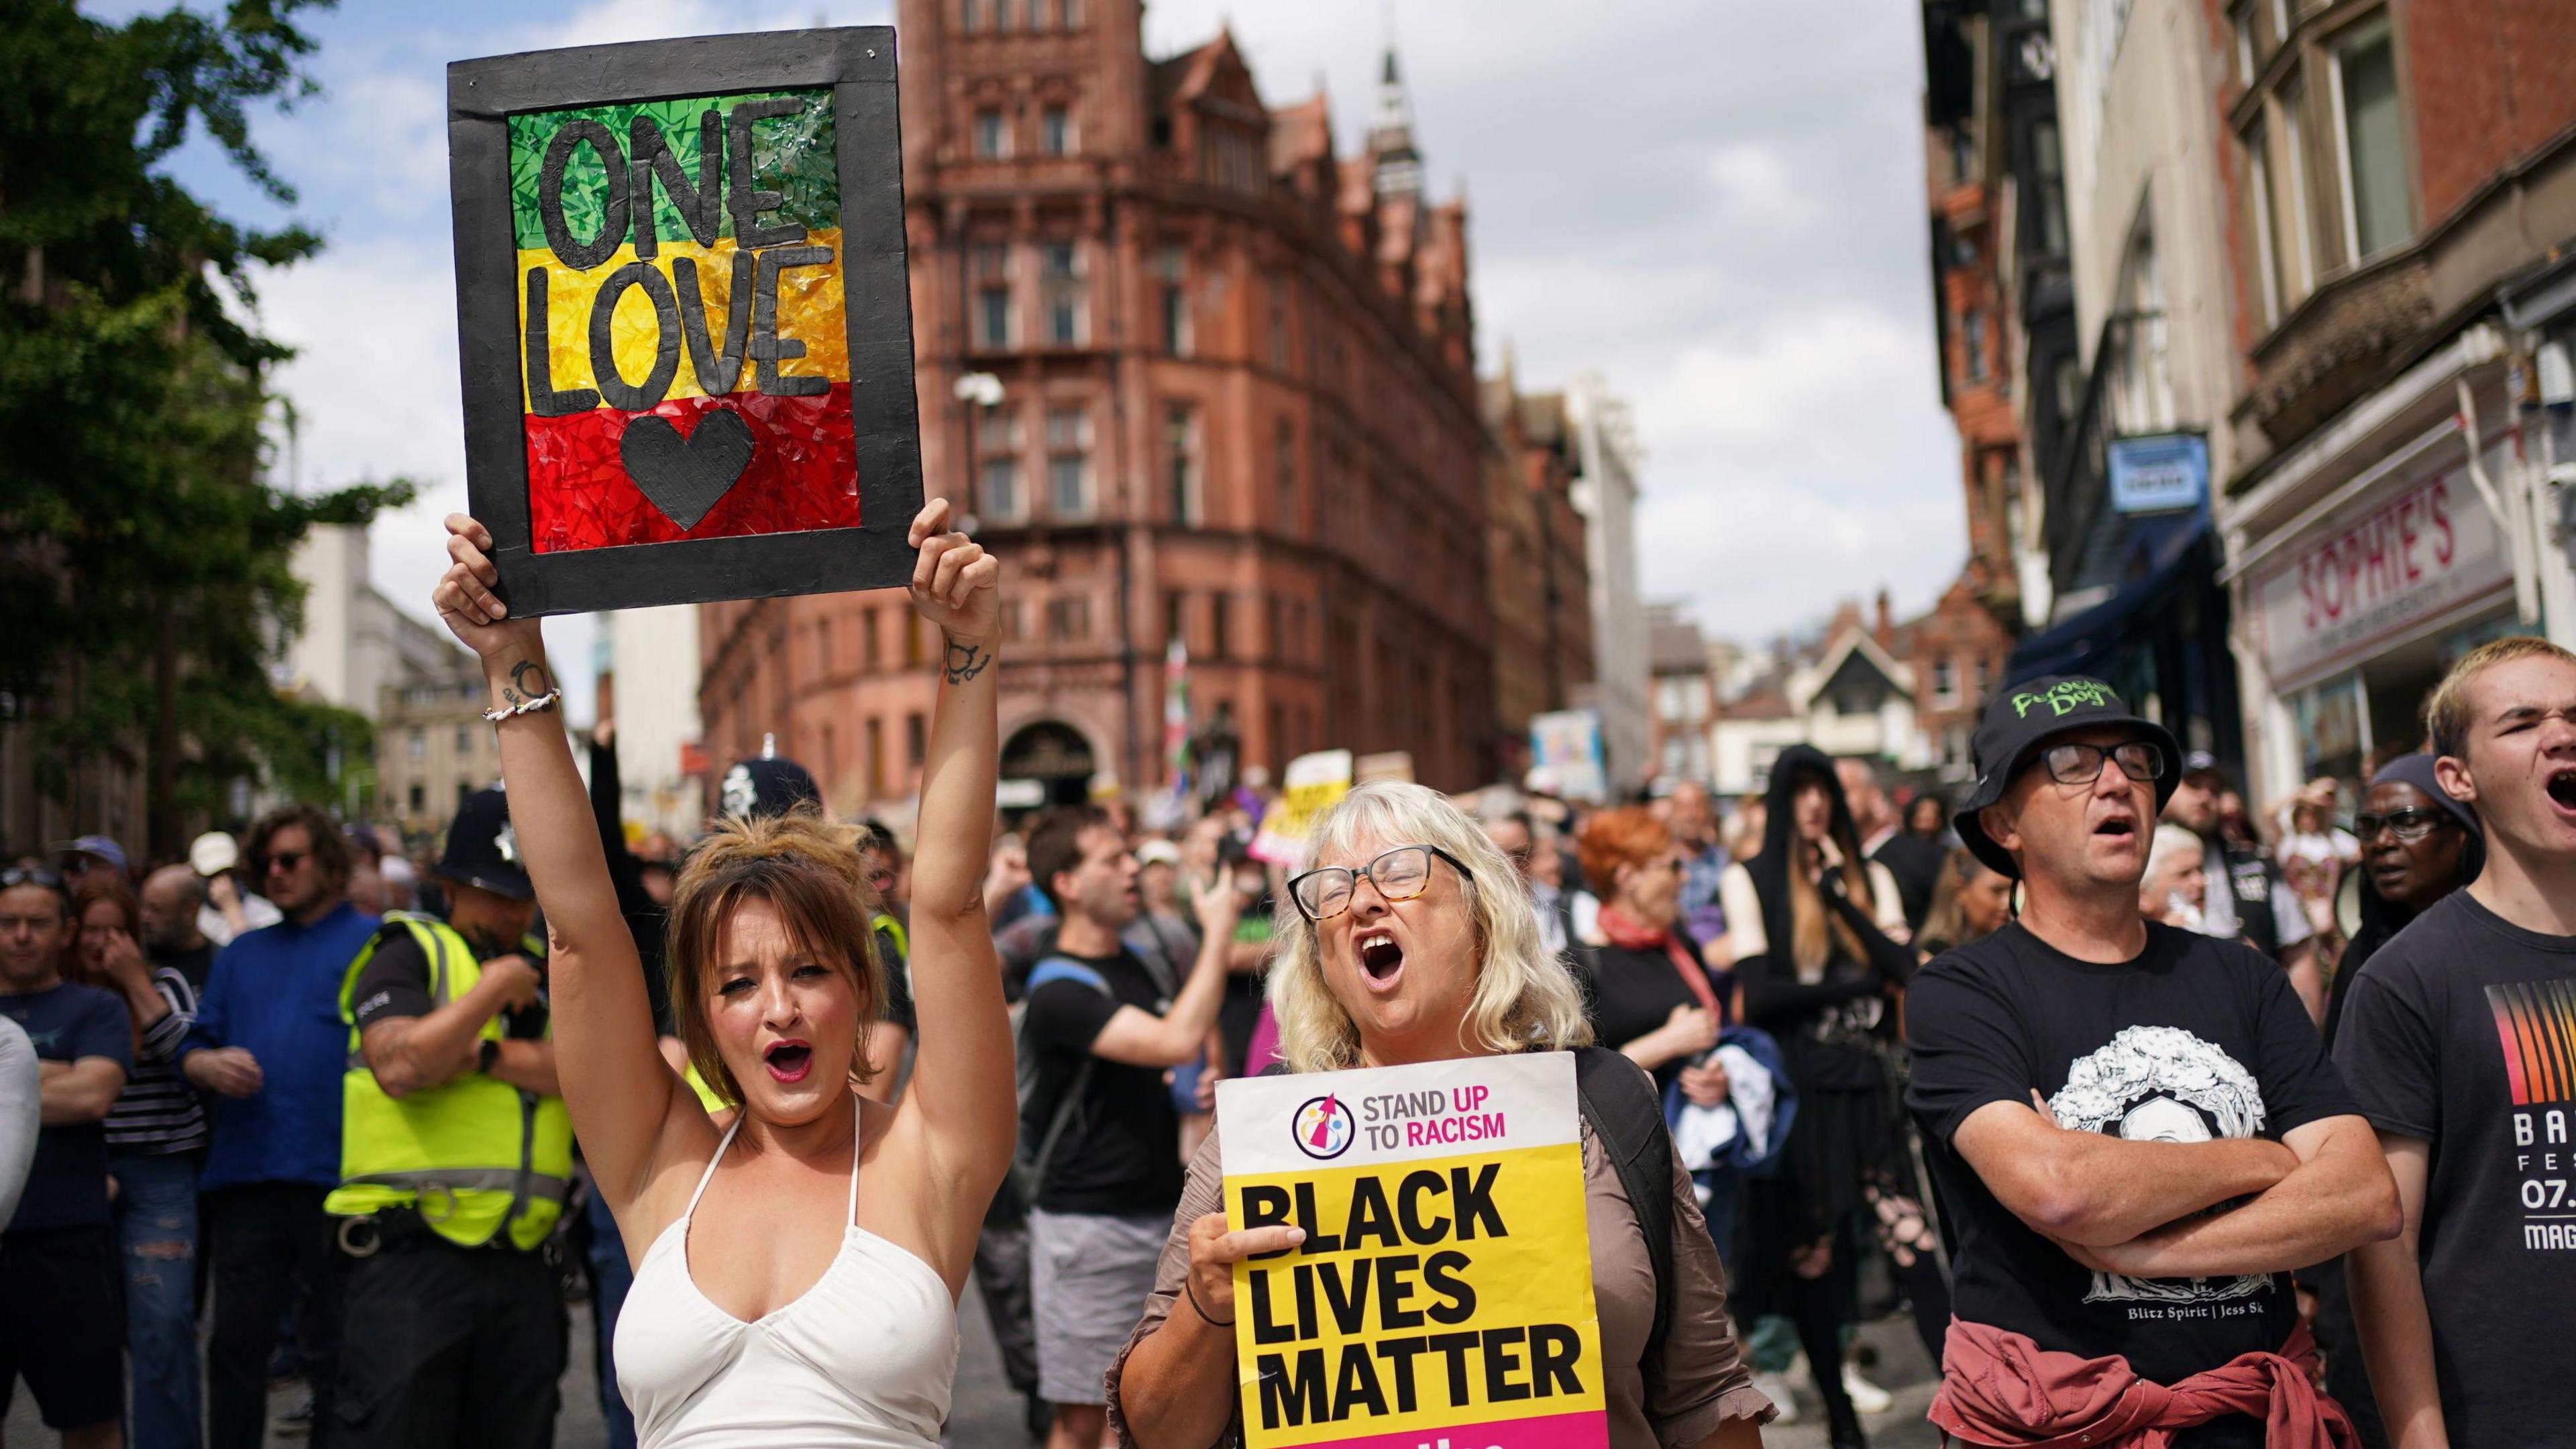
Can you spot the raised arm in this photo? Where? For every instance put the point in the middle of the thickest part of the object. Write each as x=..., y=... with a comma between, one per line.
x=962, y=1101
x=617, y=1088
x=2089, y=1189
x=1138, y=1038
x=2338, y=1197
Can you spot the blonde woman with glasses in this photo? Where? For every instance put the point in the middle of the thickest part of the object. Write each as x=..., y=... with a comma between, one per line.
x=1412, y=939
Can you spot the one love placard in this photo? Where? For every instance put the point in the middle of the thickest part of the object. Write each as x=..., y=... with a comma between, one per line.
x=684, y=320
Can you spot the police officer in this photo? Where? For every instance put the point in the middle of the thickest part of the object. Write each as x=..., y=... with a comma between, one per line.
x=456, y=1159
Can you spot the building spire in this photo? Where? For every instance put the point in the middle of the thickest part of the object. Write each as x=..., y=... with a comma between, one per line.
x=1390, y=140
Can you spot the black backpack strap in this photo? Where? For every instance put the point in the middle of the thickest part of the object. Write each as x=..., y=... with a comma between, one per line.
x=1619, y=1101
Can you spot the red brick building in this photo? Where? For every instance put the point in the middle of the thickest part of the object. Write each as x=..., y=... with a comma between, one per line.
x=1237, y=406
x=2402, y=189
x=1958, y=650
x=1540, y=574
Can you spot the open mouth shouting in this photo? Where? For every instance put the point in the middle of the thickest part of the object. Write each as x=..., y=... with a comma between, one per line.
x=1381, y=959
x=788, y=1060
x=2120, y=825
x=2562, y=791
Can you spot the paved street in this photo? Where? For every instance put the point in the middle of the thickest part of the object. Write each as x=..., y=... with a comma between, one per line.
x=987, y=1414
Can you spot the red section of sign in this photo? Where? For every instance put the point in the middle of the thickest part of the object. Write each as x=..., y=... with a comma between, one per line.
x=803, y=473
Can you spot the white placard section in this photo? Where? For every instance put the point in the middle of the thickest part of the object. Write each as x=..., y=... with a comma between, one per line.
x=1369, y=1116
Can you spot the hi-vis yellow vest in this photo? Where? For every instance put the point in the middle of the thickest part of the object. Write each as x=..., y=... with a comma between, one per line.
x=469, y=1155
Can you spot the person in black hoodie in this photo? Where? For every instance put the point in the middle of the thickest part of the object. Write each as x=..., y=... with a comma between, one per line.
x=1819, y=973
x=2417, y=846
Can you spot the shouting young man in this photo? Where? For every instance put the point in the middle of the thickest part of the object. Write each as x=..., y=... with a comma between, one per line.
x=2135, y=1126
x=2455, y=1039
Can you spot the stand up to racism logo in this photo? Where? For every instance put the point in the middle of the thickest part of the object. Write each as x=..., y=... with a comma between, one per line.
x=1323, y=1128
x=687, y=370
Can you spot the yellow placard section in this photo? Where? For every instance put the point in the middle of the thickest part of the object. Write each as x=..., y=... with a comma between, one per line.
x=1311, y=785
x=1438, y=1292
x=809, y=311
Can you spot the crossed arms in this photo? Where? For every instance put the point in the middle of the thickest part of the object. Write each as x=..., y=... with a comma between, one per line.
x=2134, y=1207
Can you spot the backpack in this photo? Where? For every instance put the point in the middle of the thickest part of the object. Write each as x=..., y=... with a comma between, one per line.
x=1618, y=1099
x=1029, y=1162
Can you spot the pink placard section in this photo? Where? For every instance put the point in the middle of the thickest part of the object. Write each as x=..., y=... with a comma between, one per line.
x=1589, y=1430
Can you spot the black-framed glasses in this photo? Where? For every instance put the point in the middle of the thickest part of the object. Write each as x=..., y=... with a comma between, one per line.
x=18, y=875
x=283, y=860
x=2406, y=825
x=2075, y=763
x=1401, y=874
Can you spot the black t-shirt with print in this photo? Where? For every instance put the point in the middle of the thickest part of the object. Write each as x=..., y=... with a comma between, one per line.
x=2461, y=1032
x=2194, y=1039
x=1121, y=1149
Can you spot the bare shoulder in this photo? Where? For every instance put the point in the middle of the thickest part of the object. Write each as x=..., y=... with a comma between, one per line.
x=682, y=1151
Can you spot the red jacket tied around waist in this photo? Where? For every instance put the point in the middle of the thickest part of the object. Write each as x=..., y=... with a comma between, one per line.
x=2002, y=1389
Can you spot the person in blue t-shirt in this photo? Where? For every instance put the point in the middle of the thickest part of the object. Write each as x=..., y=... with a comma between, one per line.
x=62, y=1327
x=270, y=1043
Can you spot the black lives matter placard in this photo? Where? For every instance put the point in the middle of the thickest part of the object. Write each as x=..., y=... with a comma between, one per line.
x=684, y=318
x=1444, y=1288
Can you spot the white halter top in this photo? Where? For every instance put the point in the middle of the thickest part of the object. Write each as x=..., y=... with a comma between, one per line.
x=864, y=1359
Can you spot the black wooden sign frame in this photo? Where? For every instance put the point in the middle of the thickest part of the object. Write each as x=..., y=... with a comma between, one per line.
x=858, y=65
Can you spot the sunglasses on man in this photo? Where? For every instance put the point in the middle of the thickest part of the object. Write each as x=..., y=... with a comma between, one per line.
x=2074, y=763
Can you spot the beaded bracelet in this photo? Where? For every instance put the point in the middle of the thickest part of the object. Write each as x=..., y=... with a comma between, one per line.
x=547, y=700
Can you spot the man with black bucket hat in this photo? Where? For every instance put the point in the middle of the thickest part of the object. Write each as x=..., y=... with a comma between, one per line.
x=2135, y=1127
x=456, y=1159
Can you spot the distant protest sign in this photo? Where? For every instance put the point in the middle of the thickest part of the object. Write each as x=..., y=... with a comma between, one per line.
x=1444, y=1289
x=1567, y=745
x=684, y=318
x=1307, y=788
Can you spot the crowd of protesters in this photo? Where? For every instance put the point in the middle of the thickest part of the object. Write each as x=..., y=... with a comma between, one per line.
x=776, y=1097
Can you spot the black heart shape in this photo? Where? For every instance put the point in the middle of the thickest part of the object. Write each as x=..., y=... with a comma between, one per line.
x=685, y=477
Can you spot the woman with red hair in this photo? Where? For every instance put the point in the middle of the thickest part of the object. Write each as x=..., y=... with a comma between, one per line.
x=1650, y=992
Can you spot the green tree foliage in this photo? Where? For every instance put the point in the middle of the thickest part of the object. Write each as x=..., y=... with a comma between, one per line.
x=143, y=556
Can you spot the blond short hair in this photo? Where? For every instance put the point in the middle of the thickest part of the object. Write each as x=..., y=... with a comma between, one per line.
x=1524, y=999
x=2446, y=713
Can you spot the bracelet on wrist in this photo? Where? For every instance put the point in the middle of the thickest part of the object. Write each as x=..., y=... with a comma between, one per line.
x=547, y=700
x=1191, y=1289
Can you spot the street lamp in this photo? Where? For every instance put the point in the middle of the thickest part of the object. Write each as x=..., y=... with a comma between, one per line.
x=982, y=391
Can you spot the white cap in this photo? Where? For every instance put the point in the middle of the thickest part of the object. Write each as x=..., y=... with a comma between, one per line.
x=213, y=853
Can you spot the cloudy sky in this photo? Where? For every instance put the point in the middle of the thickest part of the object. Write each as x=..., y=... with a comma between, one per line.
x=1717, y=204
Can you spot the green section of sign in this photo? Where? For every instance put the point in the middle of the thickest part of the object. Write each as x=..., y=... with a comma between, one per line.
x=792, y=155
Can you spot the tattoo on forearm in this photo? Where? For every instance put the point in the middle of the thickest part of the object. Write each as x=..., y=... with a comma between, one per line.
x=965, y=661
x=527, y=681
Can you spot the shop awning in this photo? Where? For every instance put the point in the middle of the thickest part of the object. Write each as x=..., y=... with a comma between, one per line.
x=2082, y=644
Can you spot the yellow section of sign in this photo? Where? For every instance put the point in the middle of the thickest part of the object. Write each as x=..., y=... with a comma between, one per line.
x=810, y=311
x=1452, y=1290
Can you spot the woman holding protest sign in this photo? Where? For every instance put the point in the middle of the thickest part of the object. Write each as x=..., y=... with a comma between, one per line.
x=1412, y=941
x=774, y=1302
